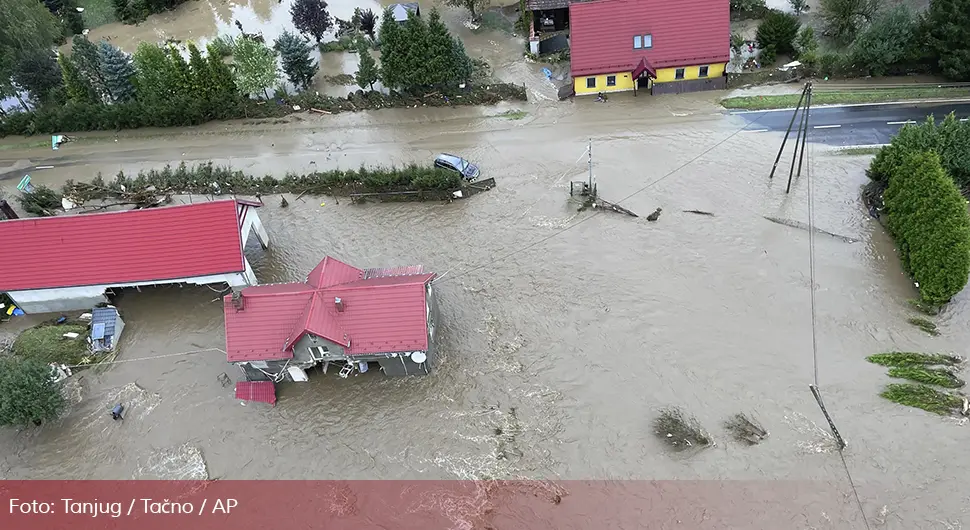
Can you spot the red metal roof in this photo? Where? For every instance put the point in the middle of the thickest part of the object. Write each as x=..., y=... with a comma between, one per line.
x=262, y=391
x=684, y=32
x=118, y=248
x=382, y=314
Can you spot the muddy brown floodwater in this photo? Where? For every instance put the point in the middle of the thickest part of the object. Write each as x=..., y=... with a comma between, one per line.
x=586, y=324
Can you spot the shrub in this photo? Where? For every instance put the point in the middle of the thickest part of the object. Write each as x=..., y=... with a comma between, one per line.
x=906, y=358
x=778, y=30
x=928, y=219
x=886, y=46
x=922, y=397
x=27, y=392
x=805, y=43
x=767, y=56
x=950, y=140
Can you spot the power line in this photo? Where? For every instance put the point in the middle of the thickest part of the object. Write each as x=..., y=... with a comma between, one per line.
x=581, y=221
x=193, y=352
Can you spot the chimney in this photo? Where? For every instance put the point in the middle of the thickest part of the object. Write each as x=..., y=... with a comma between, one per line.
x=339, y=304
x=238, y=301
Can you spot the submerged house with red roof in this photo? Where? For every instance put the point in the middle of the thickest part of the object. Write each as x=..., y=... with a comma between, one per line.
x=72, y=262
x=660, y=45
x=341, y=316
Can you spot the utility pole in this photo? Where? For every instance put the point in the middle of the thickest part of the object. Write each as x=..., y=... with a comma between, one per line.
x=801, y=138
x=589, y=153
x=788, y=132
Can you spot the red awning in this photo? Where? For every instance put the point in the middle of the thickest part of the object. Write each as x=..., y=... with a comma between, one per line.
x=262, y=391
x=644, y=66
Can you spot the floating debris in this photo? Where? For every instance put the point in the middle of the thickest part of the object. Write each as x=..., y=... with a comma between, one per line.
x=745, y=429
x=924, y=325
x=699, y=212
x=655, y=215
x=905, y=358
x=929, y=376
x=680, y=432
x=803, y=226
x=924, y=397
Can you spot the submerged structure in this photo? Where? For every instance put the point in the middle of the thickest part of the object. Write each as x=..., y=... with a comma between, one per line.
x=73, y=262
x=106, y=329
x=339, y=316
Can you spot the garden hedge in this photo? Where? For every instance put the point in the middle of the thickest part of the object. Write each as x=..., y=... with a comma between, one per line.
x=950, y=140
x=927, y=216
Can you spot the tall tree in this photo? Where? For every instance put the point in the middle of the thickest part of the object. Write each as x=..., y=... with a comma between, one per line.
x=948, y=23
x=393, y=48
x=25, y=26
x=366, y=21
x=38, y=73
x=887, y=42
x=475, y=7
x=464, y=68
x=297, y=64
x=152, y=80
x=256, y=69
x=310, y=17
x=367, y=72
x=441, y=52
x=799, y=6
x=845, y=18
x=77, y=88
x=222, y=79
x=417, y=55
x=117, y=71
x=202, y=83
x=85, y=56
x=179, y=72
x=28, y=395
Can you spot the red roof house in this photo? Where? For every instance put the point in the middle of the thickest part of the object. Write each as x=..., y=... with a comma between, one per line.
x=339, y=314
x=67, y=262
x=614, y=43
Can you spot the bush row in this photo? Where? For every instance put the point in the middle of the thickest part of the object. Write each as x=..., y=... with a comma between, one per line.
x=208, y=178
x=180, y=112
x=927, y=216
x=950, y=140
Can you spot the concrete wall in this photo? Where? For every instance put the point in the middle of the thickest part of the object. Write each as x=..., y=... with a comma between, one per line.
x=84, y=298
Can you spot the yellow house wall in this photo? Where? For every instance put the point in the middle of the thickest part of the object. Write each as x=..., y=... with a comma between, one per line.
x=624, y=81
x=667, y=75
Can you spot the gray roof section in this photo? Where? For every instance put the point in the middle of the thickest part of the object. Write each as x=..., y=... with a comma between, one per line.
x=400, y=11
x=104, y=318
x=542, y=5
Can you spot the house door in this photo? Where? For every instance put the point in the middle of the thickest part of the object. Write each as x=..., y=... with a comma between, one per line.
x=643, y=82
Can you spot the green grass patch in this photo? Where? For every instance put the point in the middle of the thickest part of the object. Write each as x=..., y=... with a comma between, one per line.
x=513, y=114
x=922, y=397
x=46, y=343
x=97, y=13
x=24, y=145
x=821, y=97
x=928, y=376
x=905, y=358
x=924, y=325
x=859, y=151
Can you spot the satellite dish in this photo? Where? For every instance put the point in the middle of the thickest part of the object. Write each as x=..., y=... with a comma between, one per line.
x=419, y=357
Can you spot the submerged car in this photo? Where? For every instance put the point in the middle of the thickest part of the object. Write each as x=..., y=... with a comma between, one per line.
x=466, y=169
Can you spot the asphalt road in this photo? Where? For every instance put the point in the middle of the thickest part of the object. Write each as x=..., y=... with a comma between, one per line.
x=855, y=125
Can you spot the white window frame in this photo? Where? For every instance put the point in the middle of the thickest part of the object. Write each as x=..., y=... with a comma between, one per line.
x=683, y=74
x=705, y=73
x=637, y=42
x=318, y=353
x=648, y=41
x=613, y=77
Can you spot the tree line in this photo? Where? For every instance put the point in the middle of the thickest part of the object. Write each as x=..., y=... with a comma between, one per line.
x=874, y=37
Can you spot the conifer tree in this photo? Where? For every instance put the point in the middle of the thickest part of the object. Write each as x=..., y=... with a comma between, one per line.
x=417, y=55
x=181, y=74
x=77, y=87
x=88, y=61
x=117, y=72
x=297, y=64
x=222, y=79
x=391, y=37
x=202, y=84
x=367, y=73
x=28, y=395
x=152, y=82
x=441, y=52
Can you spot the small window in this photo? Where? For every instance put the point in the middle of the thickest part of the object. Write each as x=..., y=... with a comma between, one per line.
x=590, y=82
x=648, y=41
x=702, y=71
x=611, y=80
x=679, y=74
x=637, y=42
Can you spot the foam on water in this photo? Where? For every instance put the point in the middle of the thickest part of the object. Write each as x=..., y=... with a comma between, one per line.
x=184, y=462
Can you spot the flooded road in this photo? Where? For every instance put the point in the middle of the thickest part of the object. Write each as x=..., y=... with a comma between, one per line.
x=586, y=324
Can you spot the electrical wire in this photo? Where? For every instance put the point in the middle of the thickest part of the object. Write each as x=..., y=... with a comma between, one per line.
x=567, y=228
x=103, y=363
x=810, y=177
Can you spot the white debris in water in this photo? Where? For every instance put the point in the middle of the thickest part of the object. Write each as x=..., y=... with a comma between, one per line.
x=820, y=440
x=551, y=222
x=184, y=462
